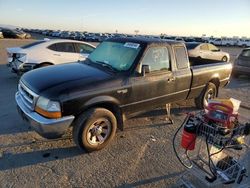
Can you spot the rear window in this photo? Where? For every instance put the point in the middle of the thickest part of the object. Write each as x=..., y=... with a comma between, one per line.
x=62, y=47
x=65, y=47
x=181, y=57
x=32, y=44
x=245, y=53
x=191, y=46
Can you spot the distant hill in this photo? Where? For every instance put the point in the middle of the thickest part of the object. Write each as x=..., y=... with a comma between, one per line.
x=9, y=26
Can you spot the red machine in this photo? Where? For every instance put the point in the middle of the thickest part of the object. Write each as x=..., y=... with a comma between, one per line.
x=221, y=114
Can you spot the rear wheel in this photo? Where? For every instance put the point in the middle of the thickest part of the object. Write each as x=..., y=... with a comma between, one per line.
x=224, y=59
x=94, y=129
x=209, y=92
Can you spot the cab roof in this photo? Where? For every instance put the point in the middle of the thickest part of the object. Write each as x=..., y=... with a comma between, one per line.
x=144, y=40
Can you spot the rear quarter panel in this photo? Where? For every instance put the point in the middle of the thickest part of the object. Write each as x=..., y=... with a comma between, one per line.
x=202, y=74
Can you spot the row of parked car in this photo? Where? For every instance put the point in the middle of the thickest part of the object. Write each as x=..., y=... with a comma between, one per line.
x=13, y=33
x=99, y=37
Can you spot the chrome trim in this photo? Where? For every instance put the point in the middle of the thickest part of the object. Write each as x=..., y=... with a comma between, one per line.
x=27, y=100
x=48, y=128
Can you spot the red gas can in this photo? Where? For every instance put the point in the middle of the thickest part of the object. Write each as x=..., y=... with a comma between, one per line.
x=188, y=136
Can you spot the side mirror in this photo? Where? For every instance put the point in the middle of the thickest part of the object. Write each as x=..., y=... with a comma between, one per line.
x=145, y=69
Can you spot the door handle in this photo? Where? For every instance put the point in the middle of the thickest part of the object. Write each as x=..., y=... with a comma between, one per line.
x=57, y=54
x=171, y=79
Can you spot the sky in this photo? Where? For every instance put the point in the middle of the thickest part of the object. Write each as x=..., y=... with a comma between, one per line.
x=172, y=17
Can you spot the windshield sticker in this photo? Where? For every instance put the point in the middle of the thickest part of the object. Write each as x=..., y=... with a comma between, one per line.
x=132, y=45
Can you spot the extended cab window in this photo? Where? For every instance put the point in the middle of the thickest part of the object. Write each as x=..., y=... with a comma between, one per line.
x=65, y=47
x=157, y=58
x=181, y=57
x=84, y=48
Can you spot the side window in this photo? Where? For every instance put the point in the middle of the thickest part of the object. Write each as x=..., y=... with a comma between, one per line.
x=181, y=58
x=204, y=47
x=52, y=47
x=157, y=58
x=65, y=47
x=84, y=48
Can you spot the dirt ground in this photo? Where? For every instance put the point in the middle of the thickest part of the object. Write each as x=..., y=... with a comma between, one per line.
x=140, y=156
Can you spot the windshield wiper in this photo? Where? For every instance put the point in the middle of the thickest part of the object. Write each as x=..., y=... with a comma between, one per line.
x=106, y=65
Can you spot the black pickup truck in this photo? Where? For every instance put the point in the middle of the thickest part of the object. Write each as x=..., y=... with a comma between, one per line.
x=122, y=77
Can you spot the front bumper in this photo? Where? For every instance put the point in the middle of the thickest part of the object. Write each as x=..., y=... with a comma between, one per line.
x=47, y=128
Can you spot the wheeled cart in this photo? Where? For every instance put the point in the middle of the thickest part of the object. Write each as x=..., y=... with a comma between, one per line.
x=215, y=155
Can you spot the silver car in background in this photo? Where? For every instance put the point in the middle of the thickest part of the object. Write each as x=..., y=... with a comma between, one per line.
x=242, y=63
x=206, y=51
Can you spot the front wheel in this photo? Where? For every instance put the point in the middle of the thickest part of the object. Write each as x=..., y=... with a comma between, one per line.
x=209, y=92
x=94, y=129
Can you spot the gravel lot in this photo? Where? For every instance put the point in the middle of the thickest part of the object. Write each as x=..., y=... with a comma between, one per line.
x=140, y=156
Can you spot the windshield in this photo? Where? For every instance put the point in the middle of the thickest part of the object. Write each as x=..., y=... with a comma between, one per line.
x=118, y=55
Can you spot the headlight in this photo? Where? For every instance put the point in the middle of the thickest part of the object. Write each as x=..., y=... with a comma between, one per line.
x=48, y=108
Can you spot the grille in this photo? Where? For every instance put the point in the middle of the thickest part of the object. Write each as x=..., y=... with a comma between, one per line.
x=28, y=97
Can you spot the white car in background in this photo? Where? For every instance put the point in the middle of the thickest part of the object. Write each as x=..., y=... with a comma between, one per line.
x=206, y=51
x=47, y=52
x=217, y=42
x=244, y=43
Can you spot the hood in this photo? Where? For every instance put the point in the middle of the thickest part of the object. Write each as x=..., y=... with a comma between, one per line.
x=62, y=78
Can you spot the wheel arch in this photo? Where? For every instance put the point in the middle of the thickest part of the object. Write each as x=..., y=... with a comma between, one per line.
x=216, y=82
x=106, y=102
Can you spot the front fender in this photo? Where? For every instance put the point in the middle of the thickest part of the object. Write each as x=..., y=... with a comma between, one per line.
x=100, y=100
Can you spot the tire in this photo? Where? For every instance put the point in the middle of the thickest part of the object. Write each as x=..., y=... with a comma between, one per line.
x=88, y=131
x=224, y=58
x=209, y=92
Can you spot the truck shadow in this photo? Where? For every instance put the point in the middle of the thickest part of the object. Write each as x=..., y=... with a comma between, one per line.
x=12, y=161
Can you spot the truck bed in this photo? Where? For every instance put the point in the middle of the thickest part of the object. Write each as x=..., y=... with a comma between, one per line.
x=204, y=71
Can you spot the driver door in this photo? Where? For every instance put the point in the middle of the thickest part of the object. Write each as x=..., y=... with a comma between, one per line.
x=156, y=87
